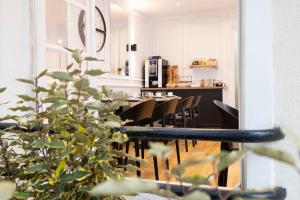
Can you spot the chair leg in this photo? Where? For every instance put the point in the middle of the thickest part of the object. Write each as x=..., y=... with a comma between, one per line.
x=177, y=151
x=174, y=120
x=155, y=167
x=120, y=158
x=186, y=146
x=143, y=149
x=126, y=151
x=222, y=179
x=137, y=154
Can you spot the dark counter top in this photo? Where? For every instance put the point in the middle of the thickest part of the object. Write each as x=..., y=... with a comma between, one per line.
x=183, y=88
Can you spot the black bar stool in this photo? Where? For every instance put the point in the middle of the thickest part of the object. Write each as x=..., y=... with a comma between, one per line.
x=184, y=115
x=230, y=120
x=140, y=115
x=162, y=114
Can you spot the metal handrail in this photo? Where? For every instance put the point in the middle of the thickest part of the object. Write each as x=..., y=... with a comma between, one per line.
x=219, y=135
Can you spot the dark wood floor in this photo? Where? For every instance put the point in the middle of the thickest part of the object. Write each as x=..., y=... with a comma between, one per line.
x=205, y=148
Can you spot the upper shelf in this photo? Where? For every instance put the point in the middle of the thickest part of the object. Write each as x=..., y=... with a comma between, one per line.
x=205, y=66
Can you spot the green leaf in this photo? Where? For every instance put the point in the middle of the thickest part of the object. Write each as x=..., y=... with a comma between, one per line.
x=160, y=150
x=52, y=99
x=126, y=187
x=68, y=49
x=97, y=105
x=195, y=180
x=93, y=92
x=22, y=108
x=293, y=137
x=197, y=195
x=39, y=168
x=94, y=72
x=60, y=168
x=22, y=195
x=25, y=81
x=178, y=171
x=275, y=154
x=119, y=137
x=69, y=66
x=78, y=176
x=89, y=58
x=26, y=98
x=62, y=76
x=43, y=73
x=40, y=89
x=57, y=144
x=82, y=84
x=2, y=89
x=228, y=159
x=7, y=190
x=112, y=124
x=77, y=56
x=8, y=117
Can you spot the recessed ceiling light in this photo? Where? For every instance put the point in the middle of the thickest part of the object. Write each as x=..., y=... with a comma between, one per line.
x=177, y=4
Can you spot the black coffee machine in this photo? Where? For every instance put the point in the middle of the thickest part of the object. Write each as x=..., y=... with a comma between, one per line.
x=156, y=72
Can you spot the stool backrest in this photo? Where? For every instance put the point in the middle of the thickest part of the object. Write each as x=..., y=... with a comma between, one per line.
x=196, y=101
x=140, y=114
x=230, y=115
x=165, y=109
x=184, y=104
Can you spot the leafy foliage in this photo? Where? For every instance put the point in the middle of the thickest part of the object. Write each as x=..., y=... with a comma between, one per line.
x=62, y=144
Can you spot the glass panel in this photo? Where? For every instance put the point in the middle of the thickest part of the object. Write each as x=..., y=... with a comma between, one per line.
x=56, y=22
x=119, y=40
x=78, y=28
x=56, y=59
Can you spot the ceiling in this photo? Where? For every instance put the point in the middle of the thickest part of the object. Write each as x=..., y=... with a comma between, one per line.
x=171, y=8
x=118, y=15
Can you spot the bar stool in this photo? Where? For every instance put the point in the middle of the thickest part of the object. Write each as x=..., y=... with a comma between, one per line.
x=140, y=115
x=184, y=115
x=196, y=111
x=162, y=114
x=230, y=120
x=196, y=114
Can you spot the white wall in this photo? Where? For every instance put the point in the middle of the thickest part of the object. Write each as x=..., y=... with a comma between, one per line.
x=286, y=62
x=182, y=39
x=256, y=84
x=14, y=49
x=139, y=34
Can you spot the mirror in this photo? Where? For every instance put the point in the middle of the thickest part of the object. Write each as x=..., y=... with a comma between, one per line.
x=119, y=61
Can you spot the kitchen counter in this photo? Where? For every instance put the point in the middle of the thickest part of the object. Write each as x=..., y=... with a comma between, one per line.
x=209, y=116
x=185, y=88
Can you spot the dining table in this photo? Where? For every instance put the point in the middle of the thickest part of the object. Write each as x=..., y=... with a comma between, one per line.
x=130, y=102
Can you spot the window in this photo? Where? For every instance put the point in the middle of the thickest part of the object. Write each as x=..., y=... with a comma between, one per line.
x=62, y=30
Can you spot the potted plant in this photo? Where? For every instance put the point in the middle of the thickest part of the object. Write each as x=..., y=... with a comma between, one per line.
x=61, y=145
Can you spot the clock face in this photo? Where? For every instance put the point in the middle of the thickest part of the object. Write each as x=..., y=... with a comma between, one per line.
x=100, y=28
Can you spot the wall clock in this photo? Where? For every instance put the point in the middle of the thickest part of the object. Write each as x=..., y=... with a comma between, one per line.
x=100, y=28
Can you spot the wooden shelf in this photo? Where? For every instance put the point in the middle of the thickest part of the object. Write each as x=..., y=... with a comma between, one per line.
x=204, y=66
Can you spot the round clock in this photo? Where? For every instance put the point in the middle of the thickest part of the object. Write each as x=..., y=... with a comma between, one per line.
x=100, y=28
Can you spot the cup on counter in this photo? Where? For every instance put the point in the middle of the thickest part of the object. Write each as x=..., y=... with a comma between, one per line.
x=158, y=94
x=170, y=94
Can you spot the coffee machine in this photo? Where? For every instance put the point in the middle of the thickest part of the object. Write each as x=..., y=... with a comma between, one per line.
x=156, y=72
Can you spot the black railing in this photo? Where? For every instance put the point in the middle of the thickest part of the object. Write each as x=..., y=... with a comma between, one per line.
x=218, y=135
